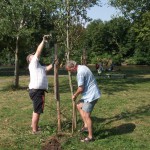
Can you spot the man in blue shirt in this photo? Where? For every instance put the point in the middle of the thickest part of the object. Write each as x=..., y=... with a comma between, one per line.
x=88, y=87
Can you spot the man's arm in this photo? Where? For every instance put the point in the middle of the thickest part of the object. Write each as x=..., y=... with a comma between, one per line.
x=79, y=91
x=41, y=46
x=49, y=67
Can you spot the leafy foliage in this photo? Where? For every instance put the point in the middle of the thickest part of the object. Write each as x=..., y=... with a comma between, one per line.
x=108, y=38
x=139, y=14
x=122, y=38
x=132, y=9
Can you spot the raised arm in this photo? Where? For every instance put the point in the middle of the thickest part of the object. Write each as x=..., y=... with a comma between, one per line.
x=41, y=46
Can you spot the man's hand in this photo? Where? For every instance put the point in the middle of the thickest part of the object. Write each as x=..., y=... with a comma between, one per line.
x=46, y=38
x=79, y=91
x=74, y=97
x=55, y=60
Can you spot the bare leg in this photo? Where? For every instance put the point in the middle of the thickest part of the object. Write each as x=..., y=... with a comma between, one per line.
x=35, y=121
x=89, y=124
x=86, y=117
x=79, y=107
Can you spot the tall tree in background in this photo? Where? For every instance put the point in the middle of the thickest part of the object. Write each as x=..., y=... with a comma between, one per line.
x=19, y=19
x=107, y=39
x=142, y=39
x=138, y=12
x=131, y=9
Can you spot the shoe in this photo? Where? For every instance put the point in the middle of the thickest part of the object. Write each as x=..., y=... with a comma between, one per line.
x=87, y=140
x=84, y=129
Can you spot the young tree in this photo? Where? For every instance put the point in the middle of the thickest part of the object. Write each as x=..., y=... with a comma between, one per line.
x=68, y=17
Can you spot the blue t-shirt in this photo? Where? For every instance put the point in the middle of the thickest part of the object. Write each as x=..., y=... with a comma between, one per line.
x=86, y=79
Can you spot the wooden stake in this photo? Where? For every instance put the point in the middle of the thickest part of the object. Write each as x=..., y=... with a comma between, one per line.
x=74, y=113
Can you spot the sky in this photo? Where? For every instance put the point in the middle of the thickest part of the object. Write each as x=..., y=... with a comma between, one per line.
x=104, y=13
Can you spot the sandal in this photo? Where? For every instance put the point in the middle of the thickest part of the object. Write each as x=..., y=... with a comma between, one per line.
x=87, y=139
x=36, y=132
x=84, y=129
x=38, y=129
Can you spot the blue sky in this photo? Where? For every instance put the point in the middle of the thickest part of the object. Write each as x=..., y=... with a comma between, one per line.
x=104, y=13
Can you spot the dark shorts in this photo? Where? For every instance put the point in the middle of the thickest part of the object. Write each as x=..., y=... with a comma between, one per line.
x=38, y=99
x=88, y=106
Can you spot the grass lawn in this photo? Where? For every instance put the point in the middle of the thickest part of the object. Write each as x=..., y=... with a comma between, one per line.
x=121, y=118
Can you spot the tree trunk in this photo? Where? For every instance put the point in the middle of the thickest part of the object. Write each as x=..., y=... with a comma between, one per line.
x=84, y=57
x=74, y=116
x=56, y=89
x=16, y=72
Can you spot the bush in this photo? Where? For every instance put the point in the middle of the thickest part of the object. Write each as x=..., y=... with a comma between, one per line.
x=117, y=60
x=130, y=61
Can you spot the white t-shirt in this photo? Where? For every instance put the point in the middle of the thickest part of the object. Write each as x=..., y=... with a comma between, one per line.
x=38, y=78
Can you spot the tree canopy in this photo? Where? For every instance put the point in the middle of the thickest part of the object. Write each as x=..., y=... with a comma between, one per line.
x=124, y=39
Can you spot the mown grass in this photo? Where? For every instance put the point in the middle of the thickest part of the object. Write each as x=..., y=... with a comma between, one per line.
x=121, y=117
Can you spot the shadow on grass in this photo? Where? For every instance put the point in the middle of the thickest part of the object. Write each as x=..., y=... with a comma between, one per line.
x=140, y=111
x=113, y=86
x=122, y=129
x=119, y=130
x=13, y=88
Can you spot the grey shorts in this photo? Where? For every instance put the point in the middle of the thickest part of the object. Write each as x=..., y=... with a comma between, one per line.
x=88, y=106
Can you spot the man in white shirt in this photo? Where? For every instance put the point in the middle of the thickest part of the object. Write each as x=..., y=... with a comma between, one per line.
x=38, y=84
x=88, y=87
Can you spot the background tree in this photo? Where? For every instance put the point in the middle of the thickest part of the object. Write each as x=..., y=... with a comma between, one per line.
x=138, y=13
x=131, y=9
x=107, y=39
x=19, y=19
x=142, y=39
x=94, y=40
